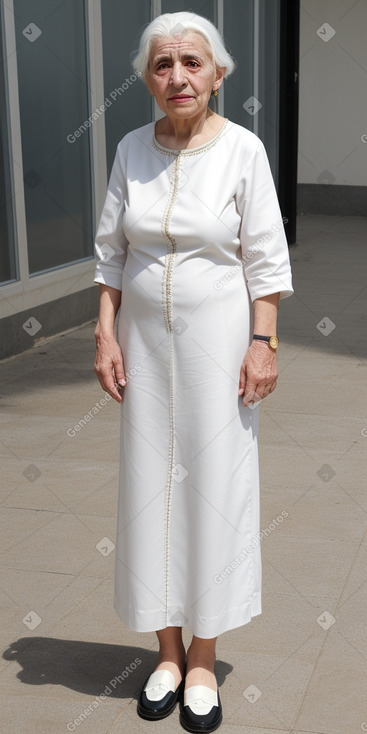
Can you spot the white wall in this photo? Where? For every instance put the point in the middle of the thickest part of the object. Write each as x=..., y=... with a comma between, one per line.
x=333, y=93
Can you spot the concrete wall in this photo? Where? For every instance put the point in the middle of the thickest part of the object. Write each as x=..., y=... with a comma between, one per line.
x=333, y=94
x=23, y=330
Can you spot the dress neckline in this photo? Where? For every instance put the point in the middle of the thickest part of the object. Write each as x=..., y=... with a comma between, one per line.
x=188, y=151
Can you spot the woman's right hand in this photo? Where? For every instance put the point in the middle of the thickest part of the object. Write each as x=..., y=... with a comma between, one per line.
x=109, y=365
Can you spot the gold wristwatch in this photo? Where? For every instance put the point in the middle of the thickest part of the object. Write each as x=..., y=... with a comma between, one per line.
x=273, y=341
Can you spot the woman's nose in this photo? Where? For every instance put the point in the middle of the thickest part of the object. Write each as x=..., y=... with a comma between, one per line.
x=178, y=74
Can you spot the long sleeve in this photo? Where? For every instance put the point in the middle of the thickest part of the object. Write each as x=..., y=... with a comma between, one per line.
x=111, y=243
x=264, y=246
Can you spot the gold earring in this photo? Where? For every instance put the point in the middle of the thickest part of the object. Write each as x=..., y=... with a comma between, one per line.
x=215, y=92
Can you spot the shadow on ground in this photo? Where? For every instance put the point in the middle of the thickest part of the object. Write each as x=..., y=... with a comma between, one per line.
x=88, y=667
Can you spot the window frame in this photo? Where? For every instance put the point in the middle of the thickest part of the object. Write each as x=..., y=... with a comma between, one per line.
x=33, y=290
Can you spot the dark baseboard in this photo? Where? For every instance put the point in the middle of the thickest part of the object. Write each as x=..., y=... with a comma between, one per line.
x=332, y=200
x=22, y=330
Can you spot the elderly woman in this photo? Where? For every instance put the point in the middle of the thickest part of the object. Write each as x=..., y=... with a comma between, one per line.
x=191, y=249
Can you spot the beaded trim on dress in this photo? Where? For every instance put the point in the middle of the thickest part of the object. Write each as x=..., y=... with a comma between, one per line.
x=167, y=315
x=189, y=151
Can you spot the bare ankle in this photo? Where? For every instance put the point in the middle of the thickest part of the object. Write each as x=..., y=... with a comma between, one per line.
x=202, y=653
x=171, y=648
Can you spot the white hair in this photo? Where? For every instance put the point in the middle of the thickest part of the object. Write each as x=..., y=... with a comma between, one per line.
x=170, y=24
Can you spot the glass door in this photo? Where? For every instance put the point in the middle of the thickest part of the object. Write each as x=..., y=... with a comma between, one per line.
x=261, y=94
x=251, y=30
x=52, y=59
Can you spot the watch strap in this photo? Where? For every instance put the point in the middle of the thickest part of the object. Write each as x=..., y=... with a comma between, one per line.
x=261, y=338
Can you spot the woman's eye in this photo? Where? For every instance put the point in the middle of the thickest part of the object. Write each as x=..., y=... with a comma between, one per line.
x=164, y=65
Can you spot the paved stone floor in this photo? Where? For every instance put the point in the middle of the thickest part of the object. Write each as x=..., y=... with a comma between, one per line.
x=299, y=667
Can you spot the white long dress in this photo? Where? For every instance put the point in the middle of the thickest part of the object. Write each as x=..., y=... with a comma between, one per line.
x=191, y=238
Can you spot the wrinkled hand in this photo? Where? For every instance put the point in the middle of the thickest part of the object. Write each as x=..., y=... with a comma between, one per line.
x=109, y=366
x=258, y=374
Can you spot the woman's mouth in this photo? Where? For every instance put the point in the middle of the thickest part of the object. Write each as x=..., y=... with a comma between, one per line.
x=180, y=98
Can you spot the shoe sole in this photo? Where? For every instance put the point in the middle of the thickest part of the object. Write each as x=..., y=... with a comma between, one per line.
x=197, y=729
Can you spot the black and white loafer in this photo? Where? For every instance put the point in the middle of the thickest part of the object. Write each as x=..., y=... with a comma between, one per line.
x=201, y=710
x=158, y=696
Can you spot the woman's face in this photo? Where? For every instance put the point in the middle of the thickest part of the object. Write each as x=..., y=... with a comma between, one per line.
x=182, y=74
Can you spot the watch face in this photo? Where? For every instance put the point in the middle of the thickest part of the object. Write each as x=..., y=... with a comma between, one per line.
x=273, y=342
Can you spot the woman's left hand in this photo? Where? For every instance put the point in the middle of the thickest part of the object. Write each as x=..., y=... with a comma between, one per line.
x=258, y=374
